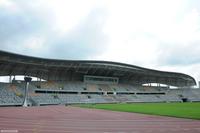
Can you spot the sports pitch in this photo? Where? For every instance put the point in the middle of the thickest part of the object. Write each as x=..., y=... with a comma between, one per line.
x=182, y=110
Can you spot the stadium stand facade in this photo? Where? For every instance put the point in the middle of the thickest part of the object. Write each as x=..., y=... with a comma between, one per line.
x=81, y=81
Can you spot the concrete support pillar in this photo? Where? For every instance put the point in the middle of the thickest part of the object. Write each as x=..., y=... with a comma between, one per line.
x=10, y=79
x=27, y=80
x=158, y=84
x=199, y=84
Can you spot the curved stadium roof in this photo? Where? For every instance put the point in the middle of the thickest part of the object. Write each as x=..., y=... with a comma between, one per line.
x=53, y=69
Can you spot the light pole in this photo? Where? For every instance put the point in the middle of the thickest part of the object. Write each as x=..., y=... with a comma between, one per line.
x=27, y=80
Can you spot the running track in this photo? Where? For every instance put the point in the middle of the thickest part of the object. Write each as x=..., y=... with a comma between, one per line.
x=61, y=119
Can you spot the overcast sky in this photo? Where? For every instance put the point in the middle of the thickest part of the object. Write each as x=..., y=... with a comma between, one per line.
x=158, y=34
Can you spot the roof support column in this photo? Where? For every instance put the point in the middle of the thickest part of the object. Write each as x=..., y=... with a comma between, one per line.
x=27, y=80
x=10, y=79
x=158, y=84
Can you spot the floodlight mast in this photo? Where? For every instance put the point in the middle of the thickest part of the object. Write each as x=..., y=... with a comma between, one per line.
x=27, y=80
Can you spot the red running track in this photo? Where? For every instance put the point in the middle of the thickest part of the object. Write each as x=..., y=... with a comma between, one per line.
x=61, y=119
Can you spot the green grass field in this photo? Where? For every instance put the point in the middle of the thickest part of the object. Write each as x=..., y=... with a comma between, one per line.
x=182, y=110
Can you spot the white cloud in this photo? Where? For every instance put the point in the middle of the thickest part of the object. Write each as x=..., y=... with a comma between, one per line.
x=8, y=4
x=135, y=51
x=135, y=28
x=68, y=14
x=34, y=43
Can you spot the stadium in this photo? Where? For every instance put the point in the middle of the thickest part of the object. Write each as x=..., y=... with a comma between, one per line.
x=82, y=81
x=86, y=83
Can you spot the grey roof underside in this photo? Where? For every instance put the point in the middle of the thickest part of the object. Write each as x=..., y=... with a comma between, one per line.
x=54, y=69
